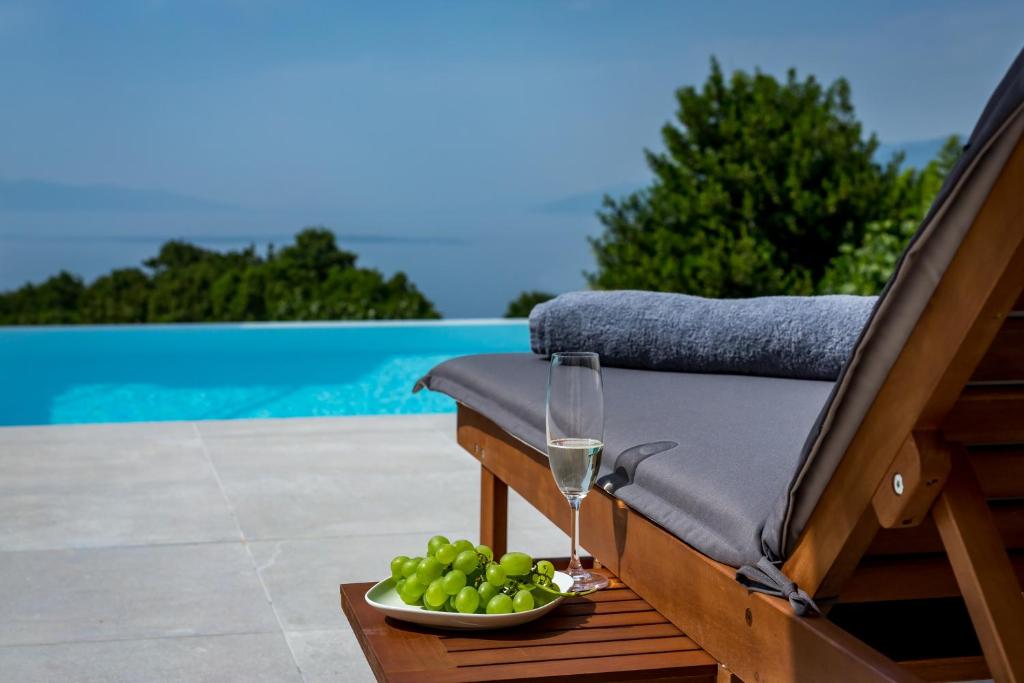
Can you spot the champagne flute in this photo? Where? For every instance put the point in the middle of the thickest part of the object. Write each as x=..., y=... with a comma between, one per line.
x=575, y=436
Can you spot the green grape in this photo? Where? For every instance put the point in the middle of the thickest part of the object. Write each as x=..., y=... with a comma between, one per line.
x=465, y=561
x=486, y=591
x=467, y=600
x=516, y=564
x=398, y=586
x=413, y=586
x=410, y=565
x=545, y=568
x=499, y=604
x=454, y=581
x=449, y=604
x=428, y=570
x=462, y=544
x=496, y=575
x=542, y=598
x=485, y=551
x=411, y=592
x=446, y=554
x=431, y=608
x=523, y=602
x=435, y=594
x=434, y=543
x=396, y=567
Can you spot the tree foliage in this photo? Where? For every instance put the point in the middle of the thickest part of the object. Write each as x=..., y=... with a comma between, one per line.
x=521, y=306
x=311, y=279
x=865, y=267
x=759, y=184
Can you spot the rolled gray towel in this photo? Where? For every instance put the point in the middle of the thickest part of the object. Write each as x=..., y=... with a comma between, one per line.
x=806, y=337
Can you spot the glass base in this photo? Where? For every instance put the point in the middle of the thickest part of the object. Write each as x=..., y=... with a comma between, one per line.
x=585, y=581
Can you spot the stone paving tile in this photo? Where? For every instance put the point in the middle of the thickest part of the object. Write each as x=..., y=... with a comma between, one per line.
x=144, y=592
x=329, y=656
x=122, y=431
x=354, y=449
x=368, y=482
x=335, y=497
x=302, y=576
x=253, y=658
x=309, y=505
x=94, y=492
x=311, y=425
x=443, y=422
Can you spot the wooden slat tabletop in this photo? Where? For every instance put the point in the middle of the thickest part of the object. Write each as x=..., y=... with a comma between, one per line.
x=611, y=635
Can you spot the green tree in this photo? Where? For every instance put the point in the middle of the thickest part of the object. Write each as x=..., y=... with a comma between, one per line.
x=759, y=184
x=311, y=279
x=864, y=267
x=121, y=296
x=521, y=306
x=55, y=301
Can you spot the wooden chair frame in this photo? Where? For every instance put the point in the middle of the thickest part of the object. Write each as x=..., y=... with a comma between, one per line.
x=910, y=487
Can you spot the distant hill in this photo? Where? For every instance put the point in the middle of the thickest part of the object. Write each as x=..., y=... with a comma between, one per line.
x=44, y=195
x=918, y=152
x=587, y=202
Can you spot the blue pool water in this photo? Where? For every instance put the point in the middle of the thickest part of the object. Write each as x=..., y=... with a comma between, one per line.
x=199, y=372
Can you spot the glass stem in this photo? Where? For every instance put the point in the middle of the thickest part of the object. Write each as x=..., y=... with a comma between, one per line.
x=575, y=567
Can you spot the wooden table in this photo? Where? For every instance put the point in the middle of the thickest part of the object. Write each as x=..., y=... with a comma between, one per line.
x=611, y=635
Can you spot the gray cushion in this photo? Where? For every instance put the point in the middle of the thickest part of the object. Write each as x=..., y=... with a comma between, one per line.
x=705, y=456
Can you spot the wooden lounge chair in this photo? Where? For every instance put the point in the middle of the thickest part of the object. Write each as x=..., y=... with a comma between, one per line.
x=904, y=514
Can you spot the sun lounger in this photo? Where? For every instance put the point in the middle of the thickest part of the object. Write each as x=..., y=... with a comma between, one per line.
x=894, y=497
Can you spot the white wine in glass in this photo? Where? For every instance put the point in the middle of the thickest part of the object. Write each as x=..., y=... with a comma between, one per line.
x=574, y=464
x=575, y=436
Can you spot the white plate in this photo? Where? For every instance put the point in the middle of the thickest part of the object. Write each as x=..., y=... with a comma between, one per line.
x=383, y=597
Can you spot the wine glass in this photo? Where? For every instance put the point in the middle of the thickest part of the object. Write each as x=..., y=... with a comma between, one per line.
x=575, y=436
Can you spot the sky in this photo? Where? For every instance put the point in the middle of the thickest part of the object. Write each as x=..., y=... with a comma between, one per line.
x=465, y=143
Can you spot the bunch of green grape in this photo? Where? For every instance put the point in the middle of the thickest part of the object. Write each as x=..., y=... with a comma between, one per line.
x=460, y=577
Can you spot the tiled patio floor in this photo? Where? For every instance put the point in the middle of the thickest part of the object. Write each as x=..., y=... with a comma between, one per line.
x=212, y=551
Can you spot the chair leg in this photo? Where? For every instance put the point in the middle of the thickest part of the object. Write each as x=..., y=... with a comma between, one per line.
x=493, y=512
x=983, y=570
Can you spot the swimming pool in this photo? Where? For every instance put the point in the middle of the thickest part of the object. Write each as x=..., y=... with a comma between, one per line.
x=61, y=375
